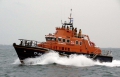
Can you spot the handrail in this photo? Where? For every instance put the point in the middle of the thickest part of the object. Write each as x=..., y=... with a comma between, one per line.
x=29, y=43
x=87, y=38
x=108, y=53
x=95, y=54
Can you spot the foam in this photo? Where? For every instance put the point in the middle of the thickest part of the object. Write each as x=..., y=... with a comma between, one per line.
x=73, y=60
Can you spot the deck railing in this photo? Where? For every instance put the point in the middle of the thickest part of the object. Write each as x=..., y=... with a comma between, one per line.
x=29, y=43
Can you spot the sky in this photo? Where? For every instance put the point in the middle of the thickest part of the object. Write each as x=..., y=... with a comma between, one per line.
x=33, y=19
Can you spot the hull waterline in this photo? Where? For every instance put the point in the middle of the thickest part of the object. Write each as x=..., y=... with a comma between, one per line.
x=25, y=52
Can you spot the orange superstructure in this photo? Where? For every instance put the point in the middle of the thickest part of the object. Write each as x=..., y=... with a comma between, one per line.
x=68, y=39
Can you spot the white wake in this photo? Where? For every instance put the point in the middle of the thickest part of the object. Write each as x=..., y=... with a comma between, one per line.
x=73, y=60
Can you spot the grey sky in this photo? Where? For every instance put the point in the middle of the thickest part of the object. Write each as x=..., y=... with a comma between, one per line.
x=32, y=19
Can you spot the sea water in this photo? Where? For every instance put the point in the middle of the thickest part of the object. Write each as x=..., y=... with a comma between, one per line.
x=53, y=65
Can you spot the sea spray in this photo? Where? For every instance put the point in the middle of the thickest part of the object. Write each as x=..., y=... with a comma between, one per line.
x=17, y=61
x=72, y=60
x=114, y=63
x=76, y=60
x=54, y=57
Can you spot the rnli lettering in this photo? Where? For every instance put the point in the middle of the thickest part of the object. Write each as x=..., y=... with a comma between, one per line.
x=36, y=53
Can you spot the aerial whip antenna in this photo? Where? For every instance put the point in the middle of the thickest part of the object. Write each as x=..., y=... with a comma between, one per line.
x=61, y=21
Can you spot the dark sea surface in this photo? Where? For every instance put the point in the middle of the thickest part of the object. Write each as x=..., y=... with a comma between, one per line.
x=77, y=66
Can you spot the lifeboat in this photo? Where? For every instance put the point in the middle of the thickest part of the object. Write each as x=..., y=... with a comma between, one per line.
x=66, y=40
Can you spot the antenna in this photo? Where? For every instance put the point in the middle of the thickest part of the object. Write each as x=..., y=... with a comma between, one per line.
x=71, y=13
x=61, y=22
x=71, y=19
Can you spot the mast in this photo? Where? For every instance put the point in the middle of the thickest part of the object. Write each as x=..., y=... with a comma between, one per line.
x=70, y=23
x=71, y=19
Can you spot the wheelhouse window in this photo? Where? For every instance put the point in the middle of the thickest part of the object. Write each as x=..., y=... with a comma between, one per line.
x=53, y=39
x=63, y=40
x=68, y=41
x=80, y=42
x=50, y=38
x=59, y=39
x=76, y=42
